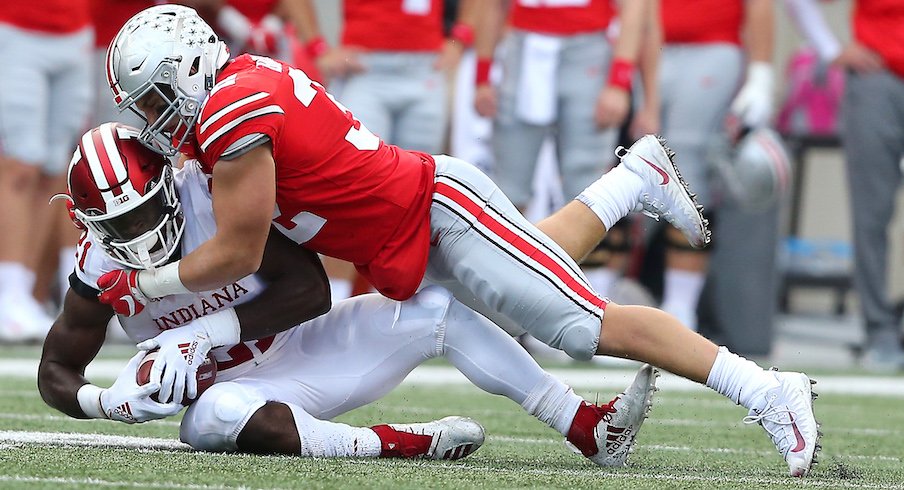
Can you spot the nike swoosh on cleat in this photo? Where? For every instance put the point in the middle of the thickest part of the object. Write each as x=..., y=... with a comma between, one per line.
x=665, y=176
x=801, y=444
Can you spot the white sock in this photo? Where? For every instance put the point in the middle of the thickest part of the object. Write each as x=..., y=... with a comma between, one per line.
x=554, y=403
x=14, y=276
x=67, y=265
x=613, y=195
x=325, y=439
x=681, y=294
x=340, y=289
x=741, y=380
x=601, y=278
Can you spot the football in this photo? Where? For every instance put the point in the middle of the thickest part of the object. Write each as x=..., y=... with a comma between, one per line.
x=207, y=374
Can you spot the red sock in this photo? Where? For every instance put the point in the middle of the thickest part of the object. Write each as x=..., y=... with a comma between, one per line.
x=398, y=444
x=581, y=433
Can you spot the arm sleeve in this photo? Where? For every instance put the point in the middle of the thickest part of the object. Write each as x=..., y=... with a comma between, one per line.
x=244, y=145
x=812, y=25
x=82, y=289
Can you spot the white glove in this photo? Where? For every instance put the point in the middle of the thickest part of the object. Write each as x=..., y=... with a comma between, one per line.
x=129, y=402
x=753, y=104
x=184, y=349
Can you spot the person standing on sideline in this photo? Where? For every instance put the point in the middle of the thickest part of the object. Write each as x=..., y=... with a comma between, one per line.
x=712, y=47
x=873, y=140
x=45, y=102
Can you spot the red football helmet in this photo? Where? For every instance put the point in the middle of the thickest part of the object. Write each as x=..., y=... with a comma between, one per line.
x=125, y=196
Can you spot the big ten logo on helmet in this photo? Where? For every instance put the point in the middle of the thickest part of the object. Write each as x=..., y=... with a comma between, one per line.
x=119, y=201
x=205, y=305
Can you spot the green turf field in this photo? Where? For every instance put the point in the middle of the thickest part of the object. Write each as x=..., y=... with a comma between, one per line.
x=692, y=440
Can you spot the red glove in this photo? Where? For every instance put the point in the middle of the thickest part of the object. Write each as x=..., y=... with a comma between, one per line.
x=120, y=290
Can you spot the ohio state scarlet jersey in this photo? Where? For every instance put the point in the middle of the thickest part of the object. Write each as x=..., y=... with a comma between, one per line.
x=177, y=310
x=702, y=21
x=879, y=25
x=561, y=17
x=393, y=25
x=340, y=190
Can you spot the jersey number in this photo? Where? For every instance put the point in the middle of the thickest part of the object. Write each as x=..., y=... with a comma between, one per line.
x=303, y=226
x=305, y=89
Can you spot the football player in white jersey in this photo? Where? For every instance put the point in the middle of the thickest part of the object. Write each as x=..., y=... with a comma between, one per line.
x=277, y=388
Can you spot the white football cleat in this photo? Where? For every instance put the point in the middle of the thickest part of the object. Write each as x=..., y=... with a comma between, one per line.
x=665, y=194
x=605, y=433
x=450, y=438
x=789, y=420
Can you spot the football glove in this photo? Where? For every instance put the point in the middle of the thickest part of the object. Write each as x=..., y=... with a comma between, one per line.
x=184, y=349
x=129, y=402
x=120, y=290
x=753, y=104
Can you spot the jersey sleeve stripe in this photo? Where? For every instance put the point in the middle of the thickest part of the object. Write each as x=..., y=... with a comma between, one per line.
x=270, y=109
x=231, y=107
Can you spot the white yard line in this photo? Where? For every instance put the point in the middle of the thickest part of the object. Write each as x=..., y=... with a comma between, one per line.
x=602, y=378
x=12, y=438
x=20, y=479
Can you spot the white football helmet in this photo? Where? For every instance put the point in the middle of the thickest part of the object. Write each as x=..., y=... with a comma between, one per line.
x=169, y=50
x=756, y=169
x=125, y=196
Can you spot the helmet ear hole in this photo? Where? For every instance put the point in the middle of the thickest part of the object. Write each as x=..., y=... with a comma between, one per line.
x=195, y=66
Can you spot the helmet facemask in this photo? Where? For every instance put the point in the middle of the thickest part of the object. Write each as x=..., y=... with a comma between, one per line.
x=145, y=234
x=175, y=123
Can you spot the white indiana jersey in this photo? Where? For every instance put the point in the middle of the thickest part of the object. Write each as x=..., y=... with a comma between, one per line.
x=177, y=310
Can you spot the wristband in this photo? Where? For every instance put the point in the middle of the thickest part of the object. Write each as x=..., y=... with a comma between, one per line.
x=621, y=74
x=462, y=33
x=316, y=47
x=222, y=327
x=88, y=397
x=163, y=281
x=482, y=74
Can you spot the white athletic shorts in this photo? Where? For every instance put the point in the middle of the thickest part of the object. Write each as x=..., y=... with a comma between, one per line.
x=355, y=354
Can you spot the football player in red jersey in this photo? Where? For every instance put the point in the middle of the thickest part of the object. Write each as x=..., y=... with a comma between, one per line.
x=281, y=150
x=278, y=393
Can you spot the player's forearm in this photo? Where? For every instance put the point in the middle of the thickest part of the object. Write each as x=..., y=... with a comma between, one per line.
x=71, y=344
x=812, y=25
x=220, y=261
x=632, y=21
x=59, y=386
x=488, y=27
x=760, y=30
x=649, y=55
x=244, y=200
x=303, y=16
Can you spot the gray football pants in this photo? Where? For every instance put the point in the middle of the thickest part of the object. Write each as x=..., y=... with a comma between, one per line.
x=873, y=117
